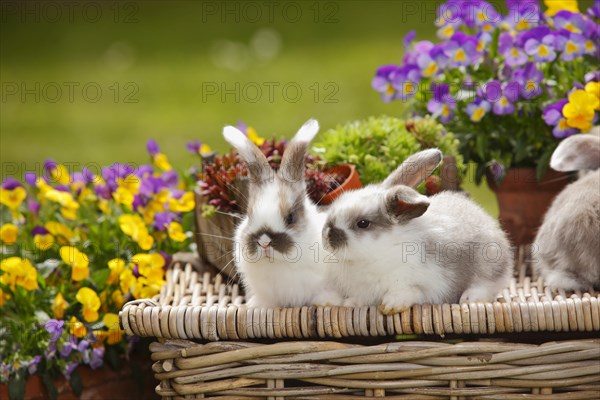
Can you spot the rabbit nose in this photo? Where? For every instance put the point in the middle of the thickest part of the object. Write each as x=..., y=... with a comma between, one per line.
x=264, y=241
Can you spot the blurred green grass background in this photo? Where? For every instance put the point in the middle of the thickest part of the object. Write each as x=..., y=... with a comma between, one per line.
x=164, y=56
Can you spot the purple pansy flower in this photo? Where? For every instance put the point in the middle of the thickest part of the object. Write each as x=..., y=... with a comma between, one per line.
x=54, y=328
x=170, y=178
x=461, y=50
x=40, y=230
x=553, y=112
x=70, y=368
x=49, y=166
x=442, y=103
x=593, y=76
x=144, y=171
x=32, y=365
x=407, y=41
x=419, y=48
x=33, y=206
x=432, y=62
x=162, y=220
x=97, y=357
x=523, y=14
x=571, y=45
x=11, y=184
x=406, y=80
x=193, y=146
x=478, y=109
x=567, y=20
x=513, y=55
x=152, y=147
x=541, y=50
x=594, y=11
x=529, y=78
x=67, y=348
x=382, y=82
x=151, y=185
x=31, y=178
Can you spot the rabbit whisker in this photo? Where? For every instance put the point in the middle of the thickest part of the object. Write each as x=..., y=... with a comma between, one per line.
x=216, y=236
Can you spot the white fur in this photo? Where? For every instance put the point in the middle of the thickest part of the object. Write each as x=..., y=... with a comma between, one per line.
x=272, y=279
x=308, y=131
x=412, y=262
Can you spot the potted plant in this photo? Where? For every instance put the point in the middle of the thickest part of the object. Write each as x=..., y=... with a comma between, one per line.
x=377, y=145
x=511, y=86
x=222, y=192
x=75, y=247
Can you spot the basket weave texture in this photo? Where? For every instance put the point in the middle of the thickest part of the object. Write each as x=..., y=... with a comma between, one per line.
x=212, y=346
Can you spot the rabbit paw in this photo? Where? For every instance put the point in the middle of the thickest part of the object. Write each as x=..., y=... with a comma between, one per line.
x=326, y=299
x=350, y=302
x=389, y=309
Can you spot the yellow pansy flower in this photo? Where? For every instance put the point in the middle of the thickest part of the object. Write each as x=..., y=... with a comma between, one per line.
x=184, y=204
x=59, y=305
x=162, y=162
x=115, y=334
x=133, y=226
x=91, y=303
x=60, y=174
x=77, y=328
x=555, y=6
x=77, y=260
x=150, y=266
x=116, y=266
x=123, y=196
x=593, y=88
x=254, y=137
x=127, y=281
x=579, y=111
x=8, y=233
x=43, y=241
x=175, y=231
x=117, y=298
x=12, y=198
x=63, y=233
x=19, y=271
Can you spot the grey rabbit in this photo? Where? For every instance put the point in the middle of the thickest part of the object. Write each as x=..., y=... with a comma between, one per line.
x=567, y=246
x=394, y=247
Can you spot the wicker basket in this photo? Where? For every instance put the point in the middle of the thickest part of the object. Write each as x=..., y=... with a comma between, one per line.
x=529, y=344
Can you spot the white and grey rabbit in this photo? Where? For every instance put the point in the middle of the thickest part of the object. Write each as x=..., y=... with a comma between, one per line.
x=395, y=247
x=567, y=245
x=276, y=243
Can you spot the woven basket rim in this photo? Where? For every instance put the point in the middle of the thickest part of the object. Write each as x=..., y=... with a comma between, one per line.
x=198, y=303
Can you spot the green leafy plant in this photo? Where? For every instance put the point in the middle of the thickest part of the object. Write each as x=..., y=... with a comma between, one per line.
x=377, y=145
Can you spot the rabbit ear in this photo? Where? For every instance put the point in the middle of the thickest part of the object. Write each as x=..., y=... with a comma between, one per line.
x=292, y=162
x=403, y=204
x=257, y=163
x=577, y=152
x=415, y=169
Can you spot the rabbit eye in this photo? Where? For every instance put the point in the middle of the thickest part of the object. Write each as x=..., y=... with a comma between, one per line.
x=290, y=219
x=363, y=223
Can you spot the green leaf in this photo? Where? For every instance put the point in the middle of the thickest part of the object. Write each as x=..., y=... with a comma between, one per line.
x=76, y=384
x=16, y=386
x=99, y=277
x=482, y=146
x=52, y=392
x=542, y=165
x=480, y=172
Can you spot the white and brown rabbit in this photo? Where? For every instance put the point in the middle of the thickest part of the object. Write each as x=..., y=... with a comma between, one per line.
x=276, y=243
x=394, y=247
x=567, y=246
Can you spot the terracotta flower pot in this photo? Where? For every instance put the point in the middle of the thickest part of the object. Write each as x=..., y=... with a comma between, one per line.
x=523, y=201
x=351, y=182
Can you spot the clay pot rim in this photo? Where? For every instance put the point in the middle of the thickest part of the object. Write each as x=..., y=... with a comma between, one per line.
x=351, y=181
